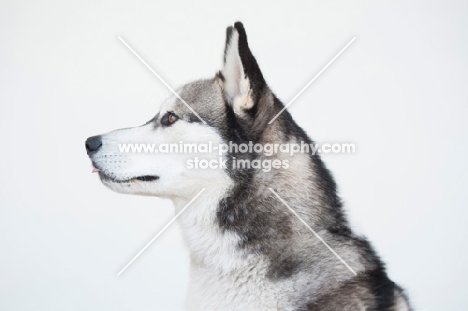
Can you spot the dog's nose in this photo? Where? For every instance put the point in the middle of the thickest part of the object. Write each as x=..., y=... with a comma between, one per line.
x=93, y=144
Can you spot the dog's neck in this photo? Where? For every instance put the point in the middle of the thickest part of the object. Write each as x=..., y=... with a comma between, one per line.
x=244, y=217
x=208, y=245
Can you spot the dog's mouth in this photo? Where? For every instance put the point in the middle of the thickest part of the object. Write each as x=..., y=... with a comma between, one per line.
x=147, y=178
x=106, y=177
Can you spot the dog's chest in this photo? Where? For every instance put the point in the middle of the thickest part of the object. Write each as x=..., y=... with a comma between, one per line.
x=244, y=289
x=223, y=276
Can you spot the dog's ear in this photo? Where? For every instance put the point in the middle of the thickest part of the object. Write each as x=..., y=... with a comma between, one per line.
x=242, y=80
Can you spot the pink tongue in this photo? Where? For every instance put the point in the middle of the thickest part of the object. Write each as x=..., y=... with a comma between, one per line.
x=95, y=170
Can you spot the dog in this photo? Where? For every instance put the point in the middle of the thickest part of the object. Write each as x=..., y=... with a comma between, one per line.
x=248, y=250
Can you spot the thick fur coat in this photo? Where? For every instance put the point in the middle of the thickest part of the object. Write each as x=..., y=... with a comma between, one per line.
x=247, y=250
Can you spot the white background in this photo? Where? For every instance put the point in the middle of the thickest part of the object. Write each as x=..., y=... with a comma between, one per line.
x=399, y=93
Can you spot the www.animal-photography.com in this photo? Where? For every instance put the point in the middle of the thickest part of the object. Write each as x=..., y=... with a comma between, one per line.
x=240, y=155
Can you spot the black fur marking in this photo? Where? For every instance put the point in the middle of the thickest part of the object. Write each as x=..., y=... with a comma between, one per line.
x=261, y=231
x=251, y=68
x=383, y=288
x=220, y=76
x=381, y=294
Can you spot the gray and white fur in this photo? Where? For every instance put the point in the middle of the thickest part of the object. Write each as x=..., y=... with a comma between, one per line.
x=247, y=250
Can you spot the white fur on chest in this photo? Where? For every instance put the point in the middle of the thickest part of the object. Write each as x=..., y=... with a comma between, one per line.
x=223, y=276
x=239, y=289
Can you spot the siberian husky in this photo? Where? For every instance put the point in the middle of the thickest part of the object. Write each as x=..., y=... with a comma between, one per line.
x=248, y=250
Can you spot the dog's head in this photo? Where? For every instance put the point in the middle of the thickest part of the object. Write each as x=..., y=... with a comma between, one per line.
x=235, y=106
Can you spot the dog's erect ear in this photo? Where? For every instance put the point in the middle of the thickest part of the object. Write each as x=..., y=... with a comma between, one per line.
x=243, y=81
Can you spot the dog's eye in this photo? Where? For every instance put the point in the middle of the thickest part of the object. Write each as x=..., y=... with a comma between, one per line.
x=169, y=118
